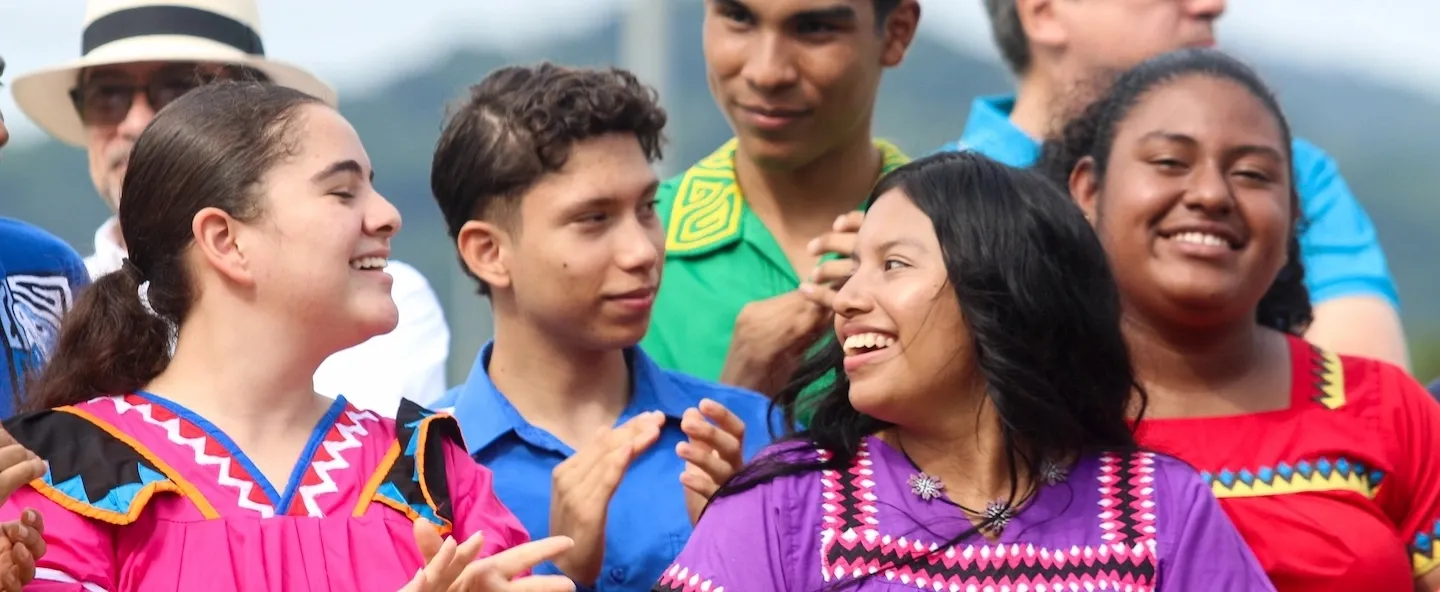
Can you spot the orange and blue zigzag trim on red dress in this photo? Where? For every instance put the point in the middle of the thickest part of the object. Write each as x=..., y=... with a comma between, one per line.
x=1319, y=474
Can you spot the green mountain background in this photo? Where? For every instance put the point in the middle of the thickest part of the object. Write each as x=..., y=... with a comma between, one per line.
x=1384, y=138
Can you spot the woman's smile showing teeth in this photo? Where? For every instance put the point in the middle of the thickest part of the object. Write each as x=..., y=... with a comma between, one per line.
x=867, y=348
x=368, y=263
x=1200, y=238
x=867, y=342
x=1204, y=241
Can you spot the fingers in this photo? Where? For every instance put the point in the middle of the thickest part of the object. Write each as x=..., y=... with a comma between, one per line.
x=11, y=580
x=543, y=584
x=479, y=578
x=20, y=467
x=701, y=458
x=641, y=427
x=606, y=477
x=644, y=429
x=727, y=421
x=822, y=296
x=36, y=525
x=841, y=238
x=427, y=539
x=436, y=568
x=20, y=535
x=724, y=436
x=640, y=432
x=634, y=436
x=699, y=482
x=833, y=272
x=24, y=563
x=464, y=556
x=417, y=583
x=511, y=562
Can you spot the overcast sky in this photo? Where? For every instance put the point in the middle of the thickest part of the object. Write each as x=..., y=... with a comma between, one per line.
x=359, y=44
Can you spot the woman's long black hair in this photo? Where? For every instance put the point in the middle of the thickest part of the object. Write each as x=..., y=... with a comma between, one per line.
x=1042, y=309
x=1286, y=306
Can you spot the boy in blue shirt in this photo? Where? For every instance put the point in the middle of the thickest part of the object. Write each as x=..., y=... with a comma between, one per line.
x=543, y=176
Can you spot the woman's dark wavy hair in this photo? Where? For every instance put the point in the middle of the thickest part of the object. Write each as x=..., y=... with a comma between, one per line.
x=1286, y=306
x=208, y=149
x=1036, y=293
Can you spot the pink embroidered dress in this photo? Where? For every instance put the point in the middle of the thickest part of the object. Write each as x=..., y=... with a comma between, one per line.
x=142, y=494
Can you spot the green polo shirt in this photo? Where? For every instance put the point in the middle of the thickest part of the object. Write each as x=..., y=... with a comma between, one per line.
x=718, y=257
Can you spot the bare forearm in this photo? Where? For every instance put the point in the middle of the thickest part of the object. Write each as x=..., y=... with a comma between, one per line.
x=1361, y=326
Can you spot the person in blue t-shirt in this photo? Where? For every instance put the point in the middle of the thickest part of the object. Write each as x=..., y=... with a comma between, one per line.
x=40, y=276
x=543, y=175
x=1059, y=50
x=1065, y=53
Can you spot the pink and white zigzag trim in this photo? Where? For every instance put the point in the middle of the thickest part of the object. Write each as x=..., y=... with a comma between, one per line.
x=680, y=579
x=851, y=551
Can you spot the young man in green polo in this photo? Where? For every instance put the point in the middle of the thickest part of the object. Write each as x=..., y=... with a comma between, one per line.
x=797, y=80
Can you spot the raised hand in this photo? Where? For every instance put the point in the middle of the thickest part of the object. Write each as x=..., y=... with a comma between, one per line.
x=452, y=567
x=770, y=339
x=714, y=452
x=582, y=486
x=828, y=275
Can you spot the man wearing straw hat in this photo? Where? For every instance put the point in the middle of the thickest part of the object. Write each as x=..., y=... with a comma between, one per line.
x=136, y=57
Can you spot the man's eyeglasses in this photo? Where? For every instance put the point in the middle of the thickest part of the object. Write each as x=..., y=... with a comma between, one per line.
x=106, y=99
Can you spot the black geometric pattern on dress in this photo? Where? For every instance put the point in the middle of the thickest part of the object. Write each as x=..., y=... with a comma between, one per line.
x=407, y=472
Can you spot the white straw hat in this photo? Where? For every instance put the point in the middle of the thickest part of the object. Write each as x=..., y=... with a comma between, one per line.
x=127, y=31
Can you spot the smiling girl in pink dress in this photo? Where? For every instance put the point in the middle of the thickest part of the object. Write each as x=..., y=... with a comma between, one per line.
x=186, y=445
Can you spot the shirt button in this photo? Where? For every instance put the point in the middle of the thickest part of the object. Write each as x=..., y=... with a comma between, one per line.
x=617, y=574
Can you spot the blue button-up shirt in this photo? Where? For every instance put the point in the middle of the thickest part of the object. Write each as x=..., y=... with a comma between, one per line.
x=648, y=523
x=1339, y=247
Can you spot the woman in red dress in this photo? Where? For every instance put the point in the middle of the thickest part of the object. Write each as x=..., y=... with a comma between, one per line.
x=1322, y=461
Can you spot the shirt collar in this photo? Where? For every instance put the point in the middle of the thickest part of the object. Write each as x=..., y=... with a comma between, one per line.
x=485, y=414
x=653, y=388
x=989, y=131
x=707, y=211
x=109, y=255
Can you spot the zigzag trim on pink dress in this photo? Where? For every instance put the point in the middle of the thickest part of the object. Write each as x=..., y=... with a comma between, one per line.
x=209, y=454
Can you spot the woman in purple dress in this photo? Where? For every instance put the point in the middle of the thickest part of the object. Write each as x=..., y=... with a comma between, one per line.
x=974, y=435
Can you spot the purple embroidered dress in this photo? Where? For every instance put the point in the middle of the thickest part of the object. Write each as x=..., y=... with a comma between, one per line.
x=1135, y=523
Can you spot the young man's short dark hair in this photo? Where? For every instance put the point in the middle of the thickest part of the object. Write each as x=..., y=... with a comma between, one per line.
x=518, y=124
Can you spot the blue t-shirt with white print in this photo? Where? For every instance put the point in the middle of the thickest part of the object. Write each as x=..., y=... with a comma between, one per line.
x=42, y=276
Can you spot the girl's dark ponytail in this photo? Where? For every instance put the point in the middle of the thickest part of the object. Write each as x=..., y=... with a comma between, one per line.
x=109, y=343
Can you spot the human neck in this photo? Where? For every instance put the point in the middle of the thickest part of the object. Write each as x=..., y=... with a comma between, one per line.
x=116, y=234
x=1180, y=364
x=1045, y=100
x=249, y=374
x=805, y=201
x=966, y=452
x=567, y=390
